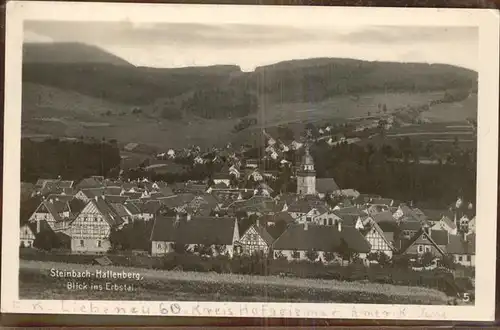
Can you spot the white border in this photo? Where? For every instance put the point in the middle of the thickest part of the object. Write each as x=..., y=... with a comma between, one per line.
x=486, y=20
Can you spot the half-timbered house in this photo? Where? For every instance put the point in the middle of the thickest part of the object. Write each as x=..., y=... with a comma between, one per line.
x=255, y=239
x=27, y=236
x=90, y=230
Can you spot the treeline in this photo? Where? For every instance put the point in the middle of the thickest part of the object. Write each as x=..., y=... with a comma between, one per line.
x=369, y=170
x=72, y=160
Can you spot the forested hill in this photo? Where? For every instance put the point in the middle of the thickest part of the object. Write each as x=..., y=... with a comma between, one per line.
x=225, y=89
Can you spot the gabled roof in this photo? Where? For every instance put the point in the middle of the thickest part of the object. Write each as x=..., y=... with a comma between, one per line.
x=115, y=198
x=326, y=185
x=54, y=208
x=92, y=192
x=321, y=238
x=421, y=232
x=383, y=217
x=198, y=230
x=262, y=233
x=109, y=214
x=90, y=183
x=382, y=201
x=119, y=209
x=133, y=208
x=449, y=222
x=276, y=217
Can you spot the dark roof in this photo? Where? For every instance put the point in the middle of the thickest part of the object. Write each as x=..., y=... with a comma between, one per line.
x=408, y=243
x=276, y=217
x=441, y=237
x=382, y=201
x=133, y=208
x=177, y=200
x=109, y=214
x=198, y=230
x=383, y=217
x=348, y=219
x=150, y=207
x=90, y=183
x=326, y=185
x=321, y=238
x=458, y=245
x=263, y=233
x=433, y=215
x=349, y=210
x=115, y=198
x=410, y=225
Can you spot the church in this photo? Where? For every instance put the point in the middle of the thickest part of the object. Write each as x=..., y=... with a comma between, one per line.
x=308, y=184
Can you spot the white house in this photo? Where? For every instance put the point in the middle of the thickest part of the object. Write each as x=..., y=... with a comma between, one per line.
x=26, y=236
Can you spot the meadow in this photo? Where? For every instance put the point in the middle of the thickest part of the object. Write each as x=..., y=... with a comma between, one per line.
x=61, y=120
x=35, y=282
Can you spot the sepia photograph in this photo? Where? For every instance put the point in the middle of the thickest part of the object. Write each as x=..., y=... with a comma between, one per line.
x=260, y=159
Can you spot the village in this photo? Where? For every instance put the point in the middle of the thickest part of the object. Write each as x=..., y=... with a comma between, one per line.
x=235, y=212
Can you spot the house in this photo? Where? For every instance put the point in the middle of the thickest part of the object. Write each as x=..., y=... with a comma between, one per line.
x=220, y=233
x=255, y=239
x=463, y=250
x=350, y=193
x=90, y=230
x=252, y=163
x=56, y=214
x=87, y=194
x=92, y=182
x=445, y=223
x=379, y=241
x=27, y=235
x=388, y=202
x=472, y=225
x=421, y=243
x=299, y=239
x=224, y=178
x=325, y=186
x=273, y=219
x=318, y=215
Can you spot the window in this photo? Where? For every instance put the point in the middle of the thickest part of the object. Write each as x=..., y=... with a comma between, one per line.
x=424, y=237
x=29, y=245
x=420, y=249
x=308, y=219
x=459, y=258
x=427, y=248
x=324, y=222
x=99, y=244
x=330, y=222
x=82, y=243
x=158, y=245
x=296, y=254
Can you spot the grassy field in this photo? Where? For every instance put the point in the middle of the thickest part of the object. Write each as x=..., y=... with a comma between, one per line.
x=35, y=282
x=50, y=112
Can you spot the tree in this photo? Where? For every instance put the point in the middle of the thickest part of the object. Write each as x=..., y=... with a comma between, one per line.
x=312, y=255
x=329, y=256
x=180, y=248
x=448, y=261
x=346, y=252
x=203, y=250
x=46, y=240
x=426, y=259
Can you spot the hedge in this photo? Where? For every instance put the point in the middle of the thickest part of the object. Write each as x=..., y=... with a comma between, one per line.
x=258, y=265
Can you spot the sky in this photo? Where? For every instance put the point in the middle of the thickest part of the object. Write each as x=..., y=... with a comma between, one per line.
x=169, y=45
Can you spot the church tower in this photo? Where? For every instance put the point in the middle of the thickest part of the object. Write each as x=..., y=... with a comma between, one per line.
x=306, y=175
